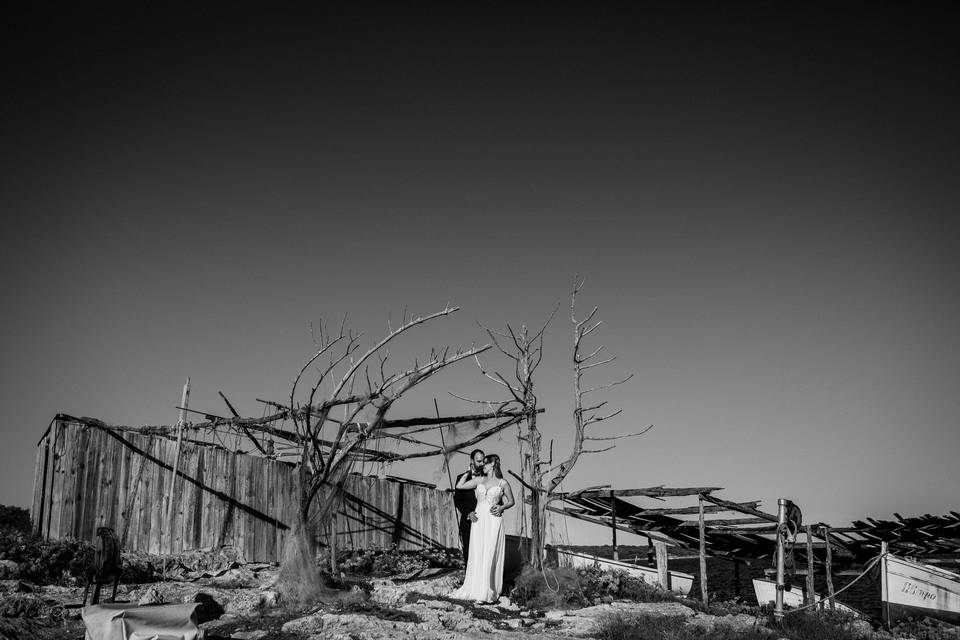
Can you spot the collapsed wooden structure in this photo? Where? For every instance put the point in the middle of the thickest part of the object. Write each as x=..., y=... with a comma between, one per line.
x=89, y=475
x=741, y=532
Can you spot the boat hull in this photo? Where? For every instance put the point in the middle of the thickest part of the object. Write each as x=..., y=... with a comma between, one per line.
x=679, y=582
x=766, y=592
x=912, y=589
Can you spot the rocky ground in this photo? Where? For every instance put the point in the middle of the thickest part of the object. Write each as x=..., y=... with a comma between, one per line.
x=242, y=602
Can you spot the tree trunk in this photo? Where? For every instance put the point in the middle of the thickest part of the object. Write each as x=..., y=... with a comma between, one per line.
x=531, y=471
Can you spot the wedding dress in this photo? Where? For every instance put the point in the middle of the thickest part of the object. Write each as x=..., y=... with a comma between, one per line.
x=484, y=578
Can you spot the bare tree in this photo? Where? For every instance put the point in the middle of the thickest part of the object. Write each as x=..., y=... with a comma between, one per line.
x=334, y=433
x=542, y=479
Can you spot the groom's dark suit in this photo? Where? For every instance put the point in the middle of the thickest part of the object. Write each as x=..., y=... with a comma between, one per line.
x=465, y=500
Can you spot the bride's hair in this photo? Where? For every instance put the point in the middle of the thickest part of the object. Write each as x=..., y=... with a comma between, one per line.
x=495, y=459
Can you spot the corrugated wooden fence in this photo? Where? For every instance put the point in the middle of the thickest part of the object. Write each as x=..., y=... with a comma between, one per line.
x=89, y=475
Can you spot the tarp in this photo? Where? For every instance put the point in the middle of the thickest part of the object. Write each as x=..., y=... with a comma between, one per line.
x=133, y=622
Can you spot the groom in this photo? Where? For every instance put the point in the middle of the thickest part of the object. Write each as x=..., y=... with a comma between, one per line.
x=466, y=502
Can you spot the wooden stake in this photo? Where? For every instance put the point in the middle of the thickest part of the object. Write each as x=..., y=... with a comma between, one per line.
x=184, y=399
x=613, y=524
x=333, y=546
x=884, y=594
x=810, y=595
x=829, y=566
x=703, y=556
x=781, y=528
x=663, y=570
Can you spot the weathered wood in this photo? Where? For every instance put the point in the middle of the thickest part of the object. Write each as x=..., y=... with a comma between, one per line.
x=613, y=525
x=736, y=506
x=703, y=556
x=695, y=510
x=220, y=497
x=808, y=596
x=663, y=560
x=724, y=522
x=658, y=492
x=828, y=566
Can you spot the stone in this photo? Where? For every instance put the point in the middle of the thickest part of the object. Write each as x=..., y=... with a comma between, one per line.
x=9, y=570
x=256, y=634
x=150, y=596
x=312, y=623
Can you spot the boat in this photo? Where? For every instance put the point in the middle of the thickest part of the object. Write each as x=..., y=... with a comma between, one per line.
x=911, y=589
x=793, y=597
x=679, y=582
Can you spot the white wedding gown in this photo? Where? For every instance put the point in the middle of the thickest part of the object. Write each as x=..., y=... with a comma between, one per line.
x=484, y=578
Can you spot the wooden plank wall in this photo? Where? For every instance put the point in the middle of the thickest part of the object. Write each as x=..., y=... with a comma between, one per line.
x=100, y=477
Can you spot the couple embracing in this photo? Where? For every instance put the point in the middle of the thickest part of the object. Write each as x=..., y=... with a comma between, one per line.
x=481, y=497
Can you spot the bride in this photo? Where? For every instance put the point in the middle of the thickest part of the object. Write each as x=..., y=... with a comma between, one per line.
x=484, y=578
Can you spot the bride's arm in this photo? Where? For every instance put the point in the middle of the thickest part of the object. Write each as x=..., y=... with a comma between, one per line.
x=507, y=502
x=464, y=483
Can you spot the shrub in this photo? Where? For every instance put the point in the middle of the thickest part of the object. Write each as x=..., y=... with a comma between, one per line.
x=392, y=561
x=817, y=625
x=551, y=588
x=651, y=627
x=16, y=519
x=926, y=629
x=47, y=562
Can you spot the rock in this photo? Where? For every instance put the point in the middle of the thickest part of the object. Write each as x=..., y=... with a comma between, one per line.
x=583, y=622
x=9, y=570
x=307, y=624
x=151, y=596
x=209, y=608
x=554, y=614
x=25, y=605
x=442, y=605
x=514, y=623
x=859, y=628
x=256, y=634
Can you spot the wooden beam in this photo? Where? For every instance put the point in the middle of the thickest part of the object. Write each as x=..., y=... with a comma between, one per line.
x=703, y=555
x=733, y=506
x=744, y=530
x=695, y=510
x=653, y=492
x=723, y=523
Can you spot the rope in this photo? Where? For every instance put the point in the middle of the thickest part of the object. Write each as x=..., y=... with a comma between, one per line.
x=866, y=570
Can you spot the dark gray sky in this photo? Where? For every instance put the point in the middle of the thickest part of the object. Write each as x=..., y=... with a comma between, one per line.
x=761, y=198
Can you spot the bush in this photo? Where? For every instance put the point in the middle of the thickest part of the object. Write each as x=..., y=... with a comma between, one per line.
x=551, y=588
x=392, y=562
x=616, y=627
x=47, y=562
x=926, y=629
x=817, y=625
x=15, y=519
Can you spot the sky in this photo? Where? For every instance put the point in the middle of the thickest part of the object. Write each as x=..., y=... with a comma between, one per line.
x=761, y=198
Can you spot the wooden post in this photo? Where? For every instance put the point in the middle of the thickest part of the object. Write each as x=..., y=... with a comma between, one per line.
x=884, y=595
x=663, y=570
x=43, y=488
x=166, y=525
x=736, y=578
x=829, y=566
x=703, y=556
x=333, y=546
x=613, y=524
x=810, y=596
x=781, y=529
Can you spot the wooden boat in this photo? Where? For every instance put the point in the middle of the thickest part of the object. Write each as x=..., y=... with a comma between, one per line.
x=914, y=589
x=679, y=582
x=766, y=592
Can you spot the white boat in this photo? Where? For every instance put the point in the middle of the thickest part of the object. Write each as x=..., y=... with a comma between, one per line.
x=679, y=582
x=913, y=589
x=766, y=592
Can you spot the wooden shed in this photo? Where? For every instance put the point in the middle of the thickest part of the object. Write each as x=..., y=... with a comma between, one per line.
x=91, y=475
